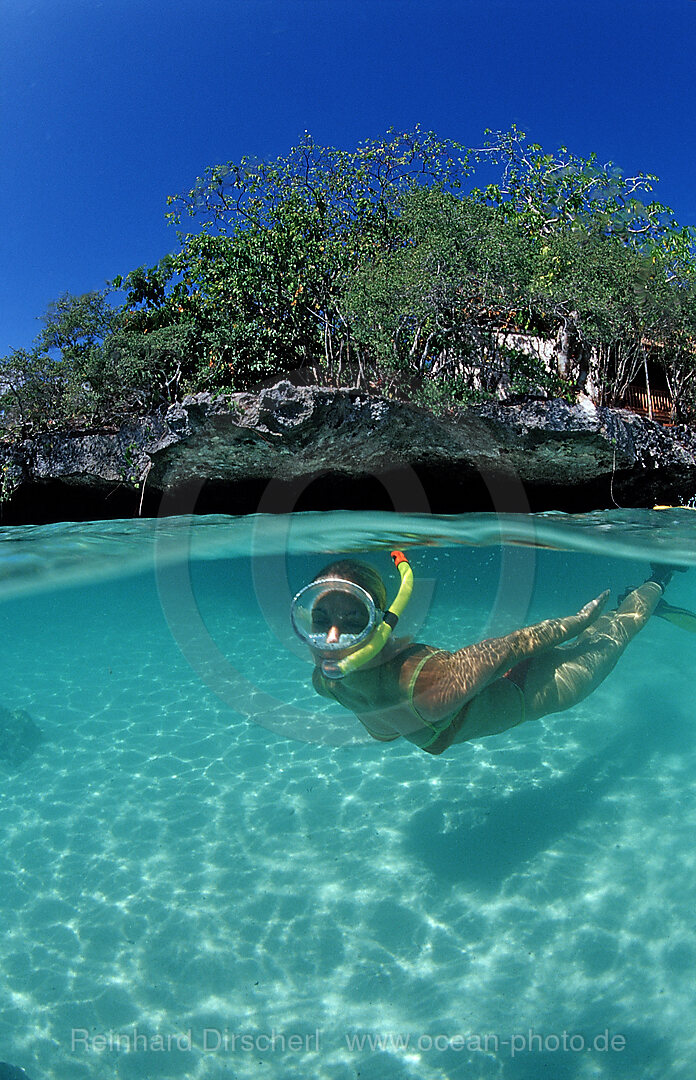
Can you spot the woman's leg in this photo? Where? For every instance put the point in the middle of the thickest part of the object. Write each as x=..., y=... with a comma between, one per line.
x=563, y=676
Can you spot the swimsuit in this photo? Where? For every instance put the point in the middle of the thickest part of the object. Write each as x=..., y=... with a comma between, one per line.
x=432, y=736
x=436, y=737
x=519, y=686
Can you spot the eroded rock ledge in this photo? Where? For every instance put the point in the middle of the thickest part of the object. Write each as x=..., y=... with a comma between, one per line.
x=287, y=448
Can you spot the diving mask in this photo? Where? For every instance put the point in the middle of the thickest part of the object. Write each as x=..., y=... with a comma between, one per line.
x=339, y=619
x=334, y=615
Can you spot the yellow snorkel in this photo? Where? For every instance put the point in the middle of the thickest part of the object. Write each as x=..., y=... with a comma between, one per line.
x=336, y=669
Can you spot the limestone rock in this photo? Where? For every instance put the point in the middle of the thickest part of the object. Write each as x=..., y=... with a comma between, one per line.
x=560, y=455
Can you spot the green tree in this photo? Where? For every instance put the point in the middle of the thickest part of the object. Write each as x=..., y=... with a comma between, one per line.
x=554, y=191
x=75, y=324
x=377, y=266
x=84, y=370
x=297, y=229
x=610, y=255
x=432, y=311
x=32, y=387
x=50, y=382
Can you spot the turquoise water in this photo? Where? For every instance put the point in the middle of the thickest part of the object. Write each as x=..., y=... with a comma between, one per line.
x=203, y=850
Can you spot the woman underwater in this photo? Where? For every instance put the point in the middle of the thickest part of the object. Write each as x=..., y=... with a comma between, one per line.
x=436, y=698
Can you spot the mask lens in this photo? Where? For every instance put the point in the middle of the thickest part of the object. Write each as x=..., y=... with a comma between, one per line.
x=333, y=615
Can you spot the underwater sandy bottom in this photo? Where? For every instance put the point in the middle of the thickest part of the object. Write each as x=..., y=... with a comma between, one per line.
x=168, y=869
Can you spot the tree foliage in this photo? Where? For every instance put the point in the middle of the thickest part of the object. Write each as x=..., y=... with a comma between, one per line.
x=383, y=266
x=85, y=370
x=282, y=240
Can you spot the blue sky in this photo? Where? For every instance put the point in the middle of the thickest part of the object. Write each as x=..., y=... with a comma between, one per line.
x=109, y=106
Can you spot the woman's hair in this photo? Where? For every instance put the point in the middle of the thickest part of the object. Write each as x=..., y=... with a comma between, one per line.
x=360, y=573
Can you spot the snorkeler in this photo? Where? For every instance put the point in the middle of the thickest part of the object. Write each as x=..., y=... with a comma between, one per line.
x=435, y=698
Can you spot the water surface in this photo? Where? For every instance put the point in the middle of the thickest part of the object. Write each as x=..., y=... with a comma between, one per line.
x=202, y=847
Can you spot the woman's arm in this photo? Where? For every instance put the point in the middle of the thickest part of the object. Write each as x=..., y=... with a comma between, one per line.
x=448, y=680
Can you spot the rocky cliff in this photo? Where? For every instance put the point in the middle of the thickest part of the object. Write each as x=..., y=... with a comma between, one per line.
x=286, y=448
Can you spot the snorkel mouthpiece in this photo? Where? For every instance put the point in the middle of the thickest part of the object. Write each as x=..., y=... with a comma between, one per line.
x=336, y=669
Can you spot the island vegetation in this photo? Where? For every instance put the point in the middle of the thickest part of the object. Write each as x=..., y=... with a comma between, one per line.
x=411, y=266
